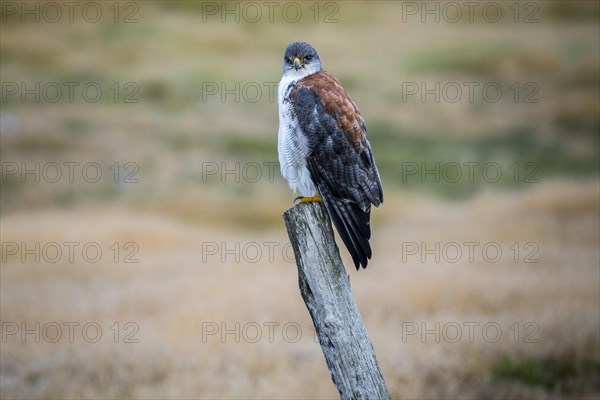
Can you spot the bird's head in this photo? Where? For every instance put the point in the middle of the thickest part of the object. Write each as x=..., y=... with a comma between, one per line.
x=301, y=59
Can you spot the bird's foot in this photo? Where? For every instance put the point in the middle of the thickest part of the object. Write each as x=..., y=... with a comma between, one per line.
x=314, y=199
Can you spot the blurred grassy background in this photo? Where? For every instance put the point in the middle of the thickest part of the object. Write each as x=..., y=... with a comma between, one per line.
x=170, y=54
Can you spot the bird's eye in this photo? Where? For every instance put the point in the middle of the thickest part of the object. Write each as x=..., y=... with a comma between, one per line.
x=288, y=61
x=307, y=58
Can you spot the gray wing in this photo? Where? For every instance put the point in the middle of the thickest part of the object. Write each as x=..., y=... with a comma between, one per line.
x=343, y=169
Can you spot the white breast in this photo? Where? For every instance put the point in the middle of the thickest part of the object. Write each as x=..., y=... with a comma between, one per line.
x=292, y=143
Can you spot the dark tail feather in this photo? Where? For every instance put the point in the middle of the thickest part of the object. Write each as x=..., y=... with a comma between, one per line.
x=352, y=225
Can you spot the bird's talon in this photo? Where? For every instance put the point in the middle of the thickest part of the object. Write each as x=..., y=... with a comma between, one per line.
x=314, y=199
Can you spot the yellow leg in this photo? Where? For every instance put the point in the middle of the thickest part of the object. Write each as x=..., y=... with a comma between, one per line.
x=315, y=199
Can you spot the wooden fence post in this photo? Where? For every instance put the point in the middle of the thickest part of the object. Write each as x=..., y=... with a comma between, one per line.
x=325, y=288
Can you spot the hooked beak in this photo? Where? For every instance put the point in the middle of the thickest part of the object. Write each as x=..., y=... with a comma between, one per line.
x=297, y=64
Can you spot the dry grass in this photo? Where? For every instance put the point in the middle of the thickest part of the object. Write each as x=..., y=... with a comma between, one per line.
x=172, y=294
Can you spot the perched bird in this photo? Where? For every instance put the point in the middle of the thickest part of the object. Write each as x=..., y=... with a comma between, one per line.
x=323, y=149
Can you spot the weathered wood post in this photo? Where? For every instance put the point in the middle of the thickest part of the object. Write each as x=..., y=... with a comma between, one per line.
x=325, y=288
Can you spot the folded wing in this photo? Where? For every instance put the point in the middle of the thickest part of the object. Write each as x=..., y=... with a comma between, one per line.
x=340, y=161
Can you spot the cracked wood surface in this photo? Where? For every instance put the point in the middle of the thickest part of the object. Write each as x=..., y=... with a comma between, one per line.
x=325, y=288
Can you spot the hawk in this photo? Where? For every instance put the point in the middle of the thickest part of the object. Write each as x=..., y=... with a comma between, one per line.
x=324, y=153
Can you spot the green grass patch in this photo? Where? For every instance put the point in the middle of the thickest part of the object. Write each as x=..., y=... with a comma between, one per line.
x=257, y=147
x=559, y=374
x=467, y=59
x=483, y=61
x=521, y=155
x=571, y=11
